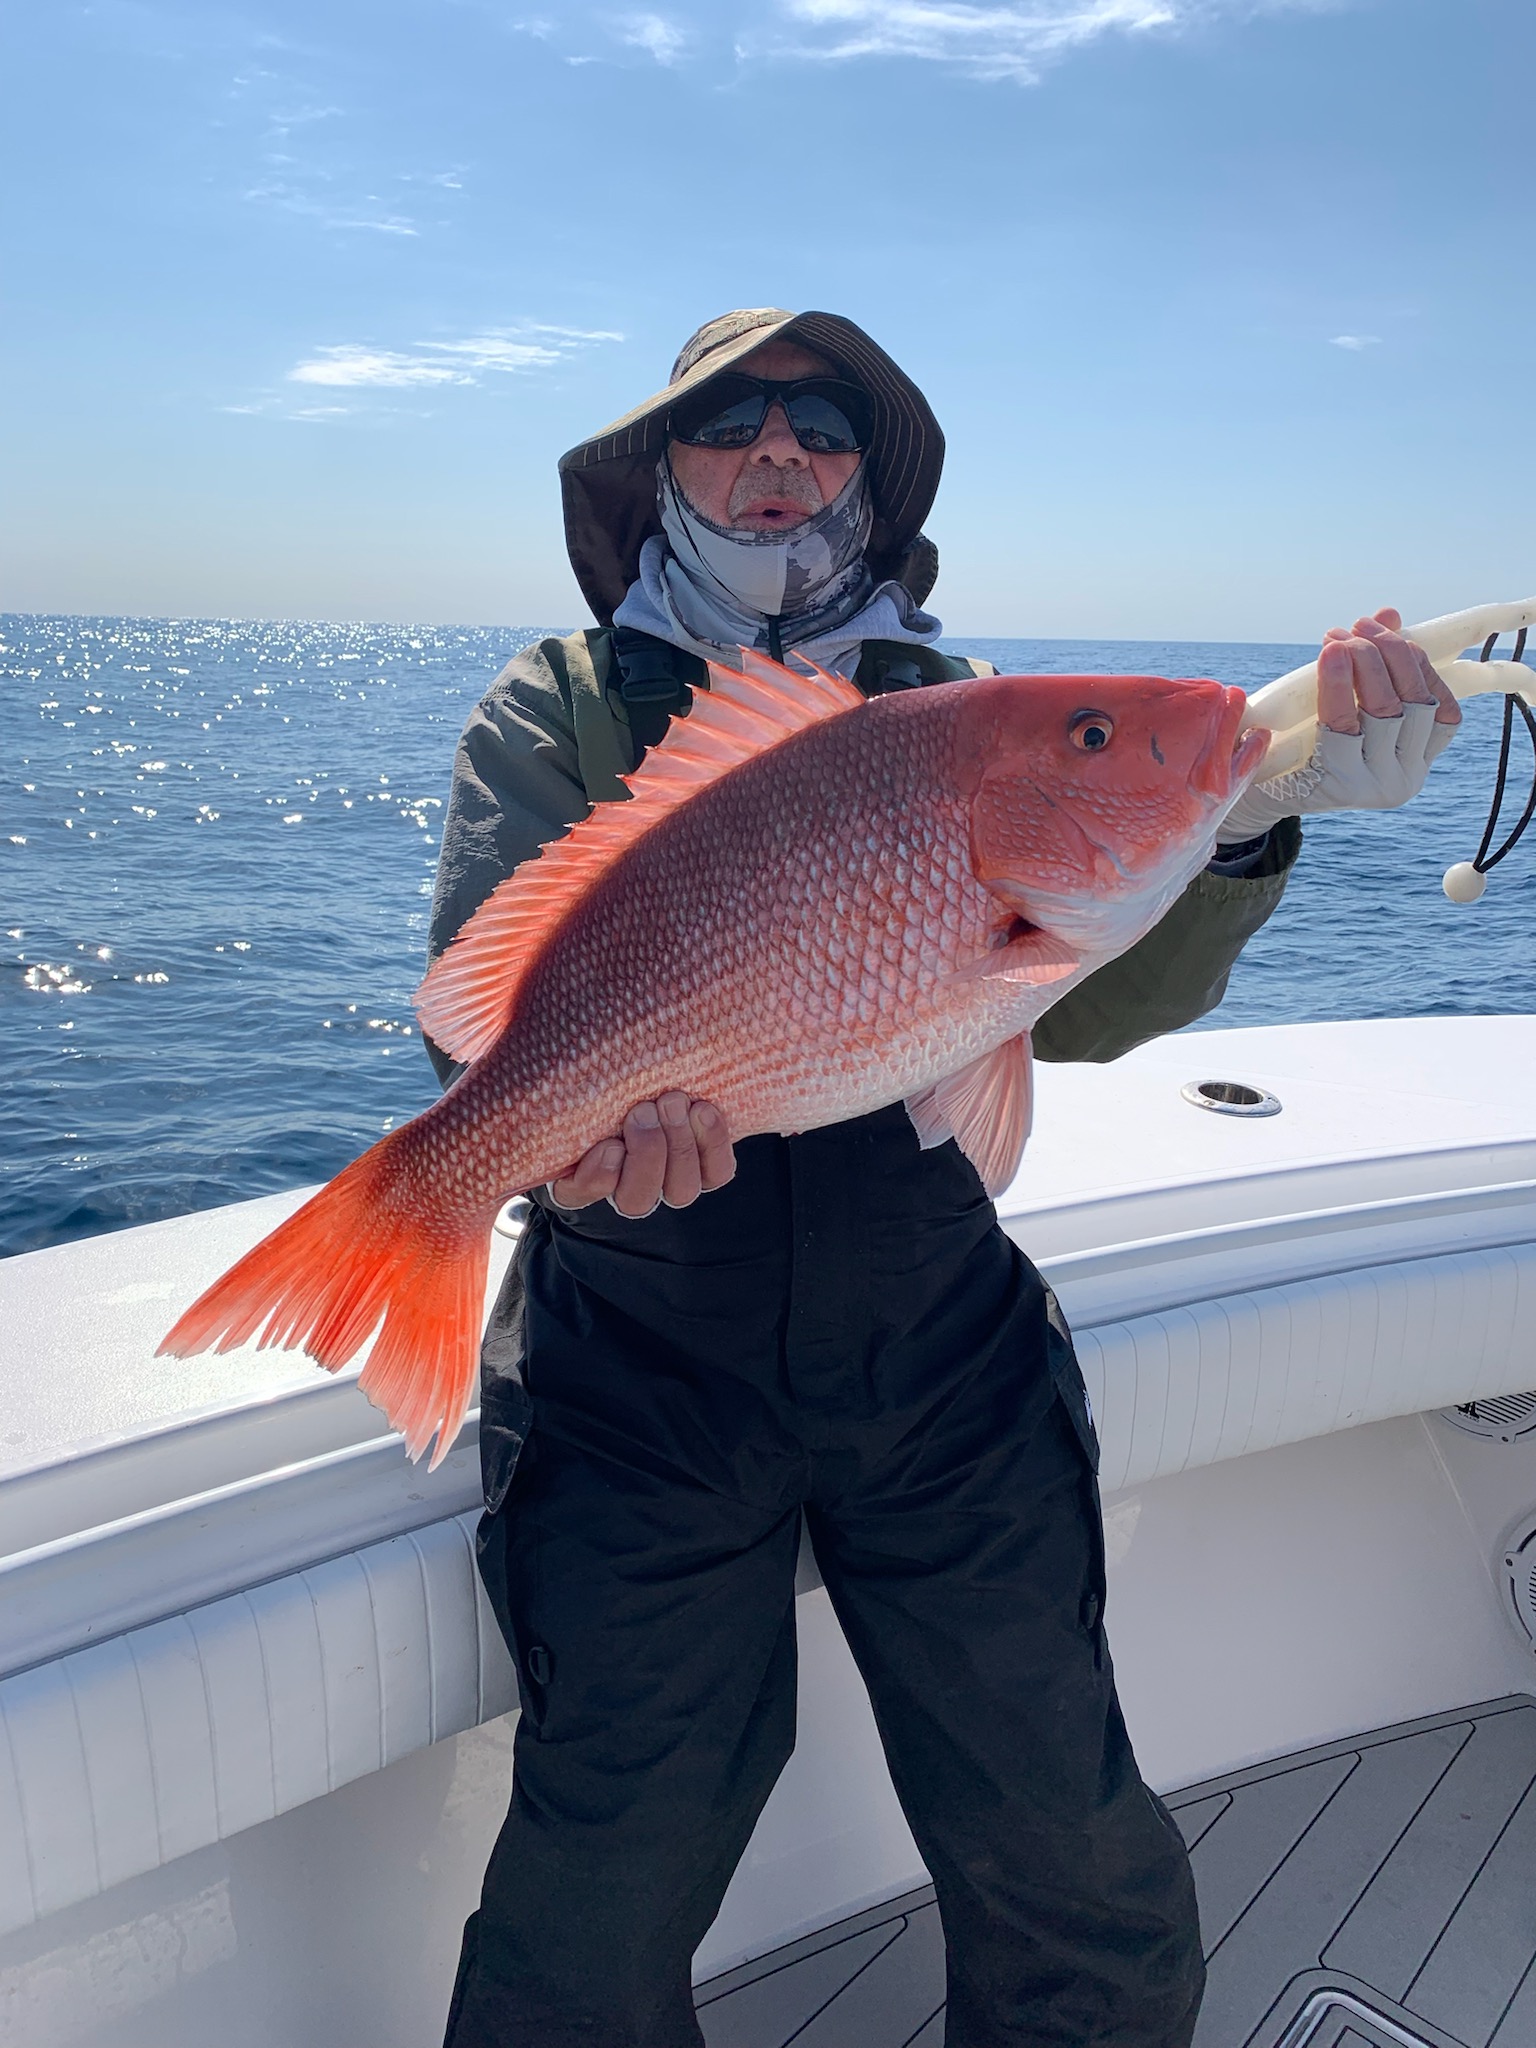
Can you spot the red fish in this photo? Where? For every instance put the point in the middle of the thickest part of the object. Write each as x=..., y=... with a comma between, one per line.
x=810, y=906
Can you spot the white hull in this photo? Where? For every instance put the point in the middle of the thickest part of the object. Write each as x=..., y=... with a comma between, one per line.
x=253, y=1740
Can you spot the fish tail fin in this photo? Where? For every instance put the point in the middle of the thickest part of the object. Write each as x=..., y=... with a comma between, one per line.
x=370, y=1248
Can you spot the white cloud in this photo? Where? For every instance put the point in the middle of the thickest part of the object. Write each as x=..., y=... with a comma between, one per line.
x=495, y=352
x=301, y=117
x=572, y=333
x=349, y=365
x=662, y=39
x=352, y=365
x=393, y=226
x=293, y=198
x=1016, y=40
x=1013, y=42
x=1356, y=341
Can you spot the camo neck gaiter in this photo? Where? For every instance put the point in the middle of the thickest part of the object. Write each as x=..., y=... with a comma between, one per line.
x=712, y=589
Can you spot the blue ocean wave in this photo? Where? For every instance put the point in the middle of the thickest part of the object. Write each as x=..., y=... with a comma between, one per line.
x=217, y=845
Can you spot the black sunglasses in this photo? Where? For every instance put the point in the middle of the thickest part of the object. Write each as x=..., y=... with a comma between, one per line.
x=826, y=415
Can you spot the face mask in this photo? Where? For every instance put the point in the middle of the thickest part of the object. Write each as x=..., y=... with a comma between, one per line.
x=775, y=574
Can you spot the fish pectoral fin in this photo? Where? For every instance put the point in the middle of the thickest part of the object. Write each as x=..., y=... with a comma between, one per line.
x=1026, y=954
x=985, y=1108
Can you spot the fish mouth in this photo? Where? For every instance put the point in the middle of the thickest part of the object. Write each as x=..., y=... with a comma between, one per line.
x=1211, y=773
x=1248, y=756
x=1225, y=759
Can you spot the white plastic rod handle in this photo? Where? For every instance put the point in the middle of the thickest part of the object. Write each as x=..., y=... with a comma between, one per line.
x=1288, y=706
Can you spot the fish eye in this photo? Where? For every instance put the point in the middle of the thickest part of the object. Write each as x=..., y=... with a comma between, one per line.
x=1091, y=730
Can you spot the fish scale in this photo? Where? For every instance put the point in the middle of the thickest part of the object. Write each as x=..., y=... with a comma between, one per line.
x=826, y=942
x=801, y=915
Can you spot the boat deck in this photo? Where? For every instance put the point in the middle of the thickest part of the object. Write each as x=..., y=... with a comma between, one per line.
x=1375, y=1893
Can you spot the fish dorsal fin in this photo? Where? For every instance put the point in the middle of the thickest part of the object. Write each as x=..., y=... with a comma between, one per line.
x=985, y=1108
x=465, y=1002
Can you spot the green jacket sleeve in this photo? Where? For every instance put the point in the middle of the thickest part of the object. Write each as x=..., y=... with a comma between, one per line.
x=1178, y=972
x=535, y=745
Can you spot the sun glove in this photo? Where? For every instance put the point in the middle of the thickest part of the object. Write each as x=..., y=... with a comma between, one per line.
x=1375, y=769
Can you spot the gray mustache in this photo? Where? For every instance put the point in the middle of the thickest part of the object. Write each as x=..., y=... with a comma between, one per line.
x=768, y=480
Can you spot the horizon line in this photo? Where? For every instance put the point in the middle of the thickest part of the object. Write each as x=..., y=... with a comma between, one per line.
x=546, y=631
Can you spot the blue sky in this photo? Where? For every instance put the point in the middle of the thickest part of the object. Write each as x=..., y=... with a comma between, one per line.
x=1227, y=308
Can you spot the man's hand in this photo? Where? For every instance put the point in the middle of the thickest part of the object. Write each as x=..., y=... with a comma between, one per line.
x=1370, y=668
x=672, y=1150
x=1383, y=716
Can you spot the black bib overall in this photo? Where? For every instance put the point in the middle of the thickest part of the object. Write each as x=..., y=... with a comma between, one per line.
x=844, y=1330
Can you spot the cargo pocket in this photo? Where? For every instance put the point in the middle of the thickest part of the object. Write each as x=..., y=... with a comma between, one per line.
x=1073, y=1395
x=506, y=1408
x=1068, y=1377
x=506, y=1423
x=506, y=1420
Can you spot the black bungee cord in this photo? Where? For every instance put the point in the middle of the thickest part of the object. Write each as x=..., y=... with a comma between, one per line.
x=1512, y=702
x=1465, y=882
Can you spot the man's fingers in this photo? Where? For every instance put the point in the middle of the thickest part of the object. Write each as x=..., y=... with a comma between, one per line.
x=1337, y=707
x=681, y=1182
x=671, y=1151
x=1410, y=668
x=1447, y=710
x=645, y=1162
x=1374, y=686
x=1385, y=617
x=1404, y=667
x=717, y=1155
x=593, y=1178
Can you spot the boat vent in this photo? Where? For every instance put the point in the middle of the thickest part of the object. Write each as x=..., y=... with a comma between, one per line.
x=1516, y=1565
x=1231, y=1098
x=1505, y=1417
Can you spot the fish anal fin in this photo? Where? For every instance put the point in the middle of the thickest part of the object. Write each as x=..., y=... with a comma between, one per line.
x=466, y=1001
x=985, y=1108
x=1027, y=954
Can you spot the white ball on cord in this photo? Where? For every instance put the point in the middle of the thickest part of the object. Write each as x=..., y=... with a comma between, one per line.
x=1464, y=883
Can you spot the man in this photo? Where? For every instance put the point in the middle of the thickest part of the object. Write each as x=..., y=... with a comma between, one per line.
x=839, y=1330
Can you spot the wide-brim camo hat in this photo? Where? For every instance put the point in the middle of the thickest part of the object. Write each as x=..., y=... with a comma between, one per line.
x=608, y=483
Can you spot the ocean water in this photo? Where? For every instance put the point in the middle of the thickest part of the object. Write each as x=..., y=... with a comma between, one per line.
x=217, y=844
